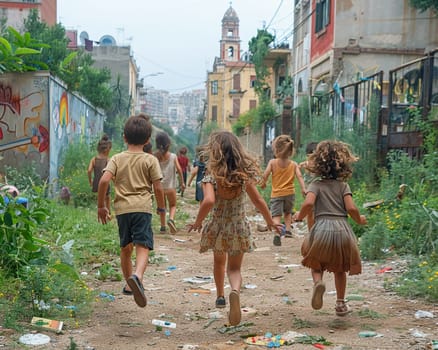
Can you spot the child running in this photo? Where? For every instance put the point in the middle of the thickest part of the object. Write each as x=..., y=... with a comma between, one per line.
x=197, y=173
x=170, y=167
x=284, y=171
x=96, y=166
x=230, y=173
x=331, y=245
x=135, y=174
x=184, y=163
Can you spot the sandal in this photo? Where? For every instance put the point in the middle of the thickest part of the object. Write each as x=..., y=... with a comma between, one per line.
x=172, y=226
x=220, y=302
x=318, y=292
x=342, y=308
x=126, y=292
x=235, y=314
x=137, y=290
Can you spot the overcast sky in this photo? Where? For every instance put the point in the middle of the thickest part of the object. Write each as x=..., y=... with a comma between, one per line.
x=179, y=38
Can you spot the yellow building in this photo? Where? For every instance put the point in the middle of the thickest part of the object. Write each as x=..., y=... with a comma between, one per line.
x=230, y=86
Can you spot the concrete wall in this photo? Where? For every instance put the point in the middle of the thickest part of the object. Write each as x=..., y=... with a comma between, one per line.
x=39, y=119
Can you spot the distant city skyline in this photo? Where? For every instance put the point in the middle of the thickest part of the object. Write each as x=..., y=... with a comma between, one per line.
x=177, y=39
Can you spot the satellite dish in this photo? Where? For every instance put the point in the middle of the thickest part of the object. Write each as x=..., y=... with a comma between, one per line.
x=82, y=37
x=107, y=40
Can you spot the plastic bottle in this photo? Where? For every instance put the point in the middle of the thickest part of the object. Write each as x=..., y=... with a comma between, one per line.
x=164, y=323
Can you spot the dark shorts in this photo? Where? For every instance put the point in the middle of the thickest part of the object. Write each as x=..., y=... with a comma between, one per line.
x=282, y=205
x=136, y=228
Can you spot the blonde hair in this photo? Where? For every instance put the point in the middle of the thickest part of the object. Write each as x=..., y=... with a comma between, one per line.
x=228, y=162
x=283, y=146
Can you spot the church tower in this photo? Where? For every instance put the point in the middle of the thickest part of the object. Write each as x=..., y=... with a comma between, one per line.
x=230, y=42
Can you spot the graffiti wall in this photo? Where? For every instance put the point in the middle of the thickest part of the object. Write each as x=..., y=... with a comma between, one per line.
x=39, y=119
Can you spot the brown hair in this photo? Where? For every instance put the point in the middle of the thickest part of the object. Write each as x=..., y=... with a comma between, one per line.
x=332, y=160
x=138, y=129
x=283, y=146
x=228, y=162
x=104, y=144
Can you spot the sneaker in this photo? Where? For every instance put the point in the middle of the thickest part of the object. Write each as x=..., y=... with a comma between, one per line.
x=137, y=290
x=318, y=292
x=220, y=302
x=172, y=226
x=163, y=229
x=277, y=240
x=342, y=308
x=235, y=314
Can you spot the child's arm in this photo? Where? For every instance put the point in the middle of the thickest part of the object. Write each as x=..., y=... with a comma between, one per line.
x=180, y=174
x=192, y=175
x=261, y=205
x=306, y=207
x=353, y=211
x=205, y=207
x=300, y=179
x=266, y=174
x=159, y=198
x=90, y=171
x=102, y=210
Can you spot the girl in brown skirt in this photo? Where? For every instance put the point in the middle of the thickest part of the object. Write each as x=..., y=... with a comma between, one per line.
x=331, y=245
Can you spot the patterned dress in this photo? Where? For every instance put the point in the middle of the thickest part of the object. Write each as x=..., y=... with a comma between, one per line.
x=227, y=229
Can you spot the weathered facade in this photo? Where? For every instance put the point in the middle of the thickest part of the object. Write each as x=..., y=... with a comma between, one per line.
x=39, y=118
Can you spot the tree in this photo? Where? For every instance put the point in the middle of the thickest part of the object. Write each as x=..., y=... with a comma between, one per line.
x=424, y=5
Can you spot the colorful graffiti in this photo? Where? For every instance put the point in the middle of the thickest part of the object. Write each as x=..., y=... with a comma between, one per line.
x=20, y=121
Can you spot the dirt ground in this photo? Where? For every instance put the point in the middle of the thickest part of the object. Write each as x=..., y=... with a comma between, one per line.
x=275, y=298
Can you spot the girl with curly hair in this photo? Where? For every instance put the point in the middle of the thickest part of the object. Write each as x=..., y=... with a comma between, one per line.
x=231, y=173
x=331, y=245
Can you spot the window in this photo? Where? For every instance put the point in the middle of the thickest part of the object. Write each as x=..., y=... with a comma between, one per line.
x=214, y=87
x=236, y=82
x=322, y=16
x=236, y=107
x=230, y=33
x=300, y=85
x=230, y=51
x=252, y=81
x=214, y=113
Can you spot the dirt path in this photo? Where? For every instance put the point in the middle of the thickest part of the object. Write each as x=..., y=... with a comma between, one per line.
x=276, y=297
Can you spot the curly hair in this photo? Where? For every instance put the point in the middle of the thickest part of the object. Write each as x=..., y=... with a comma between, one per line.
x=332, y=160
x=283, y=146
x=228, y=162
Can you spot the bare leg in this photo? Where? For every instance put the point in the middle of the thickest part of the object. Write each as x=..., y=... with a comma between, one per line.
x=288, y=221
x=171, y=199
x=340, y=284
x=317, y=275
x=125, y=260
x=233, y=271
x=141, y=260
x=235, y=278
x=219, y=272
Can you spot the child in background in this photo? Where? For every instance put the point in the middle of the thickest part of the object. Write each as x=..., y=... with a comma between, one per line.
x=170, y=167
x=185, y=166
x=96, y=166
x=198, y=173
x=331, y=245
x=231, y=173
x=308, y=178
x=284, y=171
x=135, y=174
